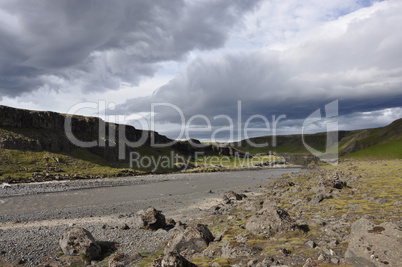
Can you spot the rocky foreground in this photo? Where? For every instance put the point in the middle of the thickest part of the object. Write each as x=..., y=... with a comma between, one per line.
x=349, y=215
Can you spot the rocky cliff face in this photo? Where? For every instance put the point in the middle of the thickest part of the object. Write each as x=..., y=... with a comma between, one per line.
x=21, y=118
x=47, y=131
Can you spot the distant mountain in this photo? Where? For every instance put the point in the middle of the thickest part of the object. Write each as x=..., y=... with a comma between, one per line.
x=383, y=142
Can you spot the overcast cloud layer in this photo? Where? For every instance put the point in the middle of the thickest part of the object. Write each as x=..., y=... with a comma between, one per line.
x=98, y=45
x=276, y=57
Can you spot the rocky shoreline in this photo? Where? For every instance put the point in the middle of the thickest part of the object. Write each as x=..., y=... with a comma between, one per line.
x=349, y=215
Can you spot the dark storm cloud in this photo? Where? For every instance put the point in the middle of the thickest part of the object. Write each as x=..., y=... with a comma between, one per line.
x=96, y=45
x=359, y=67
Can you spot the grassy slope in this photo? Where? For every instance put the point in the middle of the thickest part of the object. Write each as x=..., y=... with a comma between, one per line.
x=22, y=166
x=26, y=165
x=284, y=144
x=383, y=143
x=385, y=150
x=380, y=143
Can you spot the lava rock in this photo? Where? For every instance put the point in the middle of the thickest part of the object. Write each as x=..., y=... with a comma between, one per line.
x=270, y=221
x=374, y=245
x=76, y=241
x=172, y=259
x=150, y=219
x=192, y=238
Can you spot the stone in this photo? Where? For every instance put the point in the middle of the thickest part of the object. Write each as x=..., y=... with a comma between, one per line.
x=252, y=263
x=333, y=243
x=219, y=236
x=310, y=263
x=374, y=245
x=124, y=227
x=381, y=201
x=285, y=251
x=178, y=228
x=172, y=259
x=5, y=185
x=321, y=257
x=150, y=219
x=231, y=195
x=192, y=238
x=311, y=244
x=335, y=181
x=118, y=260
x=76, y=241
x=334, y=261
x=270, y=221
x=398, y=203
x=235, y=250
x=170, y=224
x=319, y=197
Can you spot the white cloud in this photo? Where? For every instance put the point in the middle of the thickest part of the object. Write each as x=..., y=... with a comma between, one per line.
x=350, y=65
x=97, y=45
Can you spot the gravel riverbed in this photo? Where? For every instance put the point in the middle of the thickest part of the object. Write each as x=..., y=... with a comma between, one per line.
x=33, y=216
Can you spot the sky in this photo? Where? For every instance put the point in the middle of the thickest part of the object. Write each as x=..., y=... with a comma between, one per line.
x=206, y=68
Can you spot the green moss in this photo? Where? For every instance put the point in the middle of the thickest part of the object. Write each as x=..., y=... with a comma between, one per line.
x=273, y=249
x=85, y=257
x=228, y=237
x=256, y=242
x=201, y=261
x=222, y=262
x=149, y=257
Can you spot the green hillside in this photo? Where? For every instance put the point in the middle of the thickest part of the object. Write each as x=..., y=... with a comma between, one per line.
x=379, y=143
x=383, y=142
x=287, y=143
x=391, y=149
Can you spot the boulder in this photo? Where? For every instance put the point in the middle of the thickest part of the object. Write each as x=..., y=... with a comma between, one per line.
x=172, y=259
x=251, y=205
x=374, y=245
x=310, y=244
x=318, y=198
x=76, y=241
x=192, y=238
x=118, y=260
x=337, y=183
x=170, y=224
x=270, y=221
x=231, y=195
x=150, y=219
x=334, y=180
x=124, y=226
